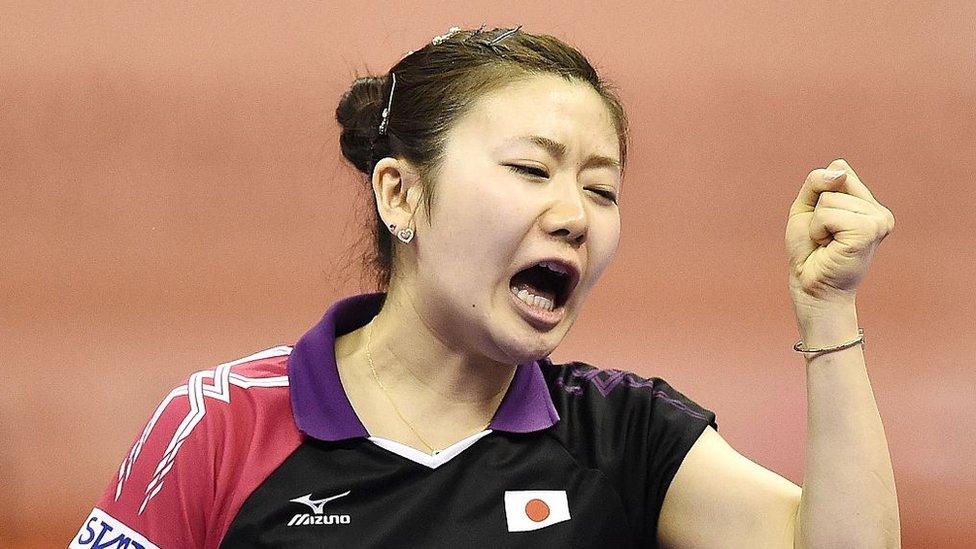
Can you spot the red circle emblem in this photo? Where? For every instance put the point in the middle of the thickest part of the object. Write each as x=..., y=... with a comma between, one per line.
x=536, y=510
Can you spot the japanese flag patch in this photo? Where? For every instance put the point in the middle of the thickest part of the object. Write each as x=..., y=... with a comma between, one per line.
x=527, y=510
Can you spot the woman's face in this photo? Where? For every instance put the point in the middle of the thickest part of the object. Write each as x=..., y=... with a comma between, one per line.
x=489, y=220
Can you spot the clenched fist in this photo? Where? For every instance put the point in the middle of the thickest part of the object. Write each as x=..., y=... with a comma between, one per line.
x=834, y=228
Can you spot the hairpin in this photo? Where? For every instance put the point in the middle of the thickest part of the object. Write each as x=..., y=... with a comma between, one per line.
x=504, y=35
x=386, y=111
x=435, y=41
x=438, y=39
x=475, y=33
x=442, y=37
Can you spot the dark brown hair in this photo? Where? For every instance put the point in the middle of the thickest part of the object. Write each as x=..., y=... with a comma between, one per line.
x=437, y=85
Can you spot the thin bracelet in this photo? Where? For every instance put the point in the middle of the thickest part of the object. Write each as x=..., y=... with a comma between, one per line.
x=860, y=339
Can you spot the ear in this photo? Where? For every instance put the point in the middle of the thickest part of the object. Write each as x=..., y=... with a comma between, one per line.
x=396, y=188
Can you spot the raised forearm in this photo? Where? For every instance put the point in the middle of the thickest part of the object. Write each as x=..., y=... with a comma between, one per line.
x=849, y=495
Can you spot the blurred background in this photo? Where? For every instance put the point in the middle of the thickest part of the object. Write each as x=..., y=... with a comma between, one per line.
x=172, y=196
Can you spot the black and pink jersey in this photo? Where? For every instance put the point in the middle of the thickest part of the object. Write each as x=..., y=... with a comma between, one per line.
x=267, y=451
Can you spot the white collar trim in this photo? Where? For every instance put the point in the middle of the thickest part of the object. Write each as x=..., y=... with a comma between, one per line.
x=432, y=461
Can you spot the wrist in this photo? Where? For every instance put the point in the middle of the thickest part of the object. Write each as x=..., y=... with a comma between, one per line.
x=824, y=324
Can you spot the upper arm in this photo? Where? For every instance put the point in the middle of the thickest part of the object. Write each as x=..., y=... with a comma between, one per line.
x=719, y=498
x=163, y=487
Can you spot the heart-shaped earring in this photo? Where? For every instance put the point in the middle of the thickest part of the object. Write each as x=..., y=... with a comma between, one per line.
x=405, y=235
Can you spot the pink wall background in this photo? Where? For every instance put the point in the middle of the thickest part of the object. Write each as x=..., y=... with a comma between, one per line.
x=172, y=196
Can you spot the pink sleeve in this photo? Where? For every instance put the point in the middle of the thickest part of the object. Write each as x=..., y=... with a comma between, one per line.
x=207, y=446
x=164, y=489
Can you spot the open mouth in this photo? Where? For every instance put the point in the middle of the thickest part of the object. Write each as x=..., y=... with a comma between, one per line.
x=546, y=285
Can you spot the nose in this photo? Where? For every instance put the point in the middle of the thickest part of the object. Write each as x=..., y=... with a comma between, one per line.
x=566, y=216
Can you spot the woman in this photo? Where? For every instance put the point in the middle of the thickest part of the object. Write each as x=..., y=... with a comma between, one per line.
x=428, y=415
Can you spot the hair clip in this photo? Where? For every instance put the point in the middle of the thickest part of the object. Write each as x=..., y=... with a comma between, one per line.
x=504, y=35
x=442, y=37
x=386, y=112
x=475, y=33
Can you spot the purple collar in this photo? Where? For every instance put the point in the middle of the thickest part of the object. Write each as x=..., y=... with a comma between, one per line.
x=322, y=409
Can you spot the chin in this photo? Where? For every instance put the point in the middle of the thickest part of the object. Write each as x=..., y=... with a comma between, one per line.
x=518, y=341
x=522, y=347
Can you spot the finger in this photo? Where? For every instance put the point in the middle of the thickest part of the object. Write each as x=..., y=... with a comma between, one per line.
x=839, y=224
x=852, y=183
x=846, y=201
x=854, y=187
x=814, y=184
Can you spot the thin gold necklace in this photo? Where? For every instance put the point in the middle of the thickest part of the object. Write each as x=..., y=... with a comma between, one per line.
x=369, y=358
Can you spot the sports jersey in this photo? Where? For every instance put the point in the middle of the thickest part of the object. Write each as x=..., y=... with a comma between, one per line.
x=267, y=451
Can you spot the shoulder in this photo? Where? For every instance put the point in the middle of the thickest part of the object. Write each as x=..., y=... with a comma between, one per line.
x=238, y=392
x=211, y=411
x=636, y=430
x=628, y=416
x=578, y=384
x=205, y=429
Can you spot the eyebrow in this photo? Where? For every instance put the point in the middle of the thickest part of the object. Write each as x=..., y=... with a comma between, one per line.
x=558, y=151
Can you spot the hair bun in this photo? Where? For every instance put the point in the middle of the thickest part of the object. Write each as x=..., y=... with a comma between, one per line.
x=359, y=115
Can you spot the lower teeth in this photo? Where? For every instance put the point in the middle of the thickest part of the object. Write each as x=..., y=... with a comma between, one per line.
x=538, y=302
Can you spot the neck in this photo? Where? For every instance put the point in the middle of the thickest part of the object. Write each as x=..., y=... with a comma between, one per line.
x=425, y=367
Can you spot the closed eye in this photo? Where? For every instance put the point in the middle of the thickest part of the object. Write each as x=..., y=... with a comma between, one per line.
x=609, y=195
x=538, y=172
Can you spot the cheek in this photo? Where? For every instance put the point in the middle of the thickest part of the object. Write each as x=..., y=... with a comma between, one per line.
x=474, y=233
x=605, y=236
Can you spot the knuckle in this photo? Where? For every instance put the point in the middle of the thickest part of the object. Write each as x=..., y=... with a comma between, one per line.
x=882, y=228
x=889, y=219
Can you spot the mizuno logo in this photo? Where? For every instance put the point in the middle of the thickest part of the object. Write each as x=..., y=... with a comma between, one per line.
x=317, y=505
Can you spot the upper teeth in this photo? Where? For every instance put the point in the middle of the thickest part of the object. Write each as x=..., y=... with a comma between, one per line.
x=554, y=267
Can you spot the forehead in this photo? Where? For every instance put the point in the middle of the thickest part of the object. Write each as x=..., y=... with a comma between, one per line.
x=569, y=112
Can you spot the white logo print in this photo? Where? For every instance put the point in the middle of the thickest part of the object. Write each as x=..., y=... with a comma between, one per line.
x=317, y=505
